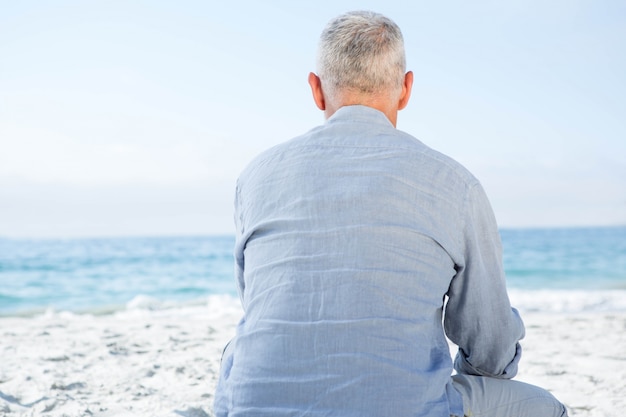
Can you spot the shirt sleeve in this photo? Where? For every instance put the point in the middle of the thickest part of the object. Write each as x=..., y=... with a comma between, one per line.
x=479, y=318
x=239, y=244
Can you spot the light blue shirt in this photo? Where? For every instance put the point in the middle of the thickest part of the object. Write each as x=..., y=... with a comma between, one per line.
x=350, y=239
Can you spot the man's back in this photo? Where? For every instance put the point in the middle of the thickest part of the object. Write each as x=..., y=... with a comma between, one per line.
x=349, y=237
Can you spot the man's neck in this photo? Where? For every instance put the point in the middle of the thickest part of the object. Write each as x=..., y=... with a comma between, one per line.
x=382, y=104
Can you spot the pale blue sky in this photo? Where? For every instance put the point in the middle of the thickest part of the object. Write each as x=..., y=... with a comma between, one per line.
x=135, y=117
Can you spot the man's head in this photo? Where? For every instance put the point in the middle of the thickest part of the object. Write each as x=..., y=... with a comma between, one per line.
x=361, y=60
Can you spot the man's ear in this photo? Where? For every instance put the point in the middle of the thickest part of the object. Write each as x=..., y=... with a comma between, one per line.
x=407, y=85
x=316, y=89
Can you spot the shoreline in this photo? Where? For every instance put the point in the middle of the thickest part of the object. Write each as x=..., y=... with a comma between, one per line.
x=165, y=362
x=556, y=300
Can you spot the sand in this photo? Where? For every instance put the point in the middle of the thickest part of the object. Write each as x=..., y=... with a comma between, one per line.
x=142, y=362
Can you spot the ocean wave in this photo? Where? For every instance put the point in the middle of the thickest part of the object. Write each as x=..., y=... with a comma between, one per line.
x=527, y=301
x=210, y=305
x=568, y=301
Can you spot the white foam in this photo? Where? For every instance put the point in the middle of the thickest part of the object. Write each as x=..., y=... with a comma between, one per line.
x=568, y=301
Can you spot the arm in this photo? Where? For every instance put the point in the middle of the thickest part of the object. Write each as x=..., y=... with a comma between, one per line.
x=239, y=244
x=479, y=318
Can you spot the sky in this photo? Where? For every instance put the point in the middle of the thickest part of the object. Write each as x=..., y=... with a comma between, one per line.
x=134, y=118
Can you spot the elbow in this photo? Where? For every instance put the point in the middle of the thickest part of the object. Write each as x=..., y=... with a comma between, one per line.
x=490, y=365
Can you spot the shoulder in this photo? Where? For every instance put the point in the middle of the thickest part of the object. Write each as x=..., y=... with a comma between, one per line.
x=270, y=158
x=437, y=161
x=408, y=153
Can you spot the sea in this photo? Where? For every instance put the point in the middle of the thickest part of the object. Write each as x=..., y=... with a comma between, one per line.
x=547, y=270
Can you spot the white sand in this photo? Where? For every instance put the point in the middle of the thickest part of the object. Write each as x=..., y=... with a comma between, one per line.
x=165, y=362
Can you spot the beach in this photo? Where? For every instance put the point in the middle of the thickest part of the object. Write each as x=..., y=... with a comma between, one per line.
x=136, y=362
x=141, y=361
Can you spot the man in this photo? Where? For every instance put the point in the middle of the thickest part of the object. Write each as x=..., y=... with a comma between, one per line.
x=350, y=240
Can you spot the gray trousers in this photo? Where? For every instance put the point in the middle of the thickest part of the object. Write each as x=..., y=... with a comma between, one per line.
x=492, y=397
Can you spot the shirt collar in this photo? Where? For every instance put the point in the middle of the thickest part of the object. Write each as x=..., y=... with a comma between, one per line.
x=359, y=113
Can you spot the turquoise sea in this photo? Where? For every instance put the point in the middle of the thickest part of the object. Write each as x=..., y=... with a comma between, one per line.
x=554, y=269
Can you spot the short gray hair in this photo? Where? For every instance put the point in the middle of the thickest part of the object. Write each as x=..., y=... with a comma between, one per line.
x=361, y=51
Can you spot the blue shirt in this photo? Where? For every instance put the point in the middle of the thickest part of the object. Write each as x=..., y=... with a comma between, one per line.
x=352, y=241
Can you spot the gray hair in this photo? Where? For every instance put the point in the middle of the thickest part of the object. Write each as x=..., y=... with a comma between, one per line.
x=361, y=51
